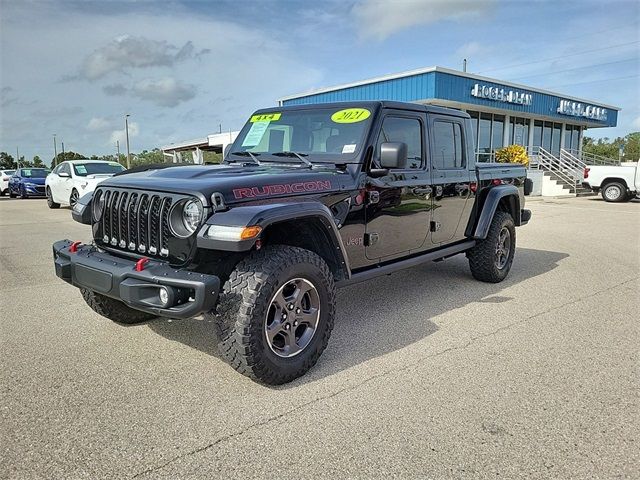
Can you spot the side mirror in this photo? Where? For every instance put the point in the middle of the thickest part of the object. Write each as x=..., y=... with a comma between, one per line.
x=393, y=155
x=64, y=174
x=226, y=151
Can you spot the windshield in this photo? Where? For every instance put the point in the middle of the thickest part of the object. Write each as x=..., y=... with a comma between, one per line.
x=8, y=172
x=34, y=172
x=321, y=134
x=106, y=168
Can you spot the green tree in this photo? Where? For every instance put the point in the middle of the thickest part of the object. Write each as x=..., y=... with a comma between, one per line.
x=632, y=147
x=70, y=155
x=6, y=161
x=37, y=162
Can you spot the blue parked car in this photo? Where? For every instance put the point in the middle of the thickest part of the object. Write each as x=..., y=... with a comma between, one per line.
x=28, y=182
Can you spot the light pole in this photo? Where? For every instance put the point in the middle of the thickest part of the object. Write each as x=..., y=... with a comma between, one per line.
x=118, y=150
x=17, y=158
x=126, y=129
x=55, y=151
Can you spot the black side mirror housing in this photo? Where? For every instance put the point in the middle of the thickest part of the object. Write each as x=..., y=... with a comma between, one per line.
x=393, y=155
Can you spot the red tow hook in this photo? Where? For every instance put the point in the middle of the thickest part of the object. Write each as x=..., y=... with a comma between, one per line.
x=140, y=264
x=74, y=247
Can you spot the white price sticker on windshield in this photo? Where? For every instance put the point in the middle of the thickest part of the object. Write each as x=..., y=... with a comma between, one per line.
x=350, y=148
x=255, y=133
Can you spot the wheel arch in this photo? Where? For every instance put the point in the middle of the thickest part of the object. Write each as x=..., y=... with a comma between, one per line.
x=504, y=198
x=609, y=180
x=308, y=225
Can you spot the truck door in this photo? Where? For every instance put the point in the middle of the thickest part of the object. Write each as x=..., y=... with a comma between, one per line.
x=398, y=204
x=451, y=178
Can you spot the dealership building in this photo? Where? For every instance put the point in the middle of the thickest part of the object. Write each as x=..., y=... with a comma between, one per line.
x=502, y=113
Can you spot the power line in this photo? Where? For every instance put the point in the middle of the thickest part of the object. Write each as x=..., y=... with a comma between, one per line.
x=594, y=81
x=577, y=68
x=561, y=56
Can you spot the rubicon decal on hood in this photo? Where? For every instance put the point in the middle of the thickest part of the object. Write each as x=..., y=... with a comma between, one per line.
x=279, y=189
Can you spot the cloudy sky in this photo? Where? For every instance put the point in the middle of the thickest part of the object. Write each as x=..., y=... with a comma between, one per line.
x=182, y=68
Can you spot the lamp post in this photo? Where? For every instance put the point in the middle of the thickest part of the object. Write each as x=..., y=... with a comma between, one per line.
x=118, y=151
x=126, y=128
x=55, y=151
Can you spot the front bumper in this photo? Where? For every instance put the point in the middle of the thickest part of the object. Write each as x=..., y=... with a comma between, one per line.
x=189, y=293
x=589, y=187
x=35, y=190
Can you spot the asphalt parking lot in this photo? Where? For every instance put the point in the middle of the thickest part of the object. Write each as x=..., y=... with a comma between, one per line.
x=429, y=374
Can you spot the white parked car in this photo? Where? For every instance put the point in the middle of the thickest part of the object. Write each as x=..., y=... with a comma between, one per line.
x=73, y=178
x=5, y=175
x=616, y=183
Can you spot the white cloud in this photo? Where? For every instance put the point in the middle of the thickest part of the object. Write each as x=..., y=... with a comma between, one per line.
x=126, y=52
x=121, y=135
x=380, y=19
x=636, y=123
x=164, y=92
x=98, y=124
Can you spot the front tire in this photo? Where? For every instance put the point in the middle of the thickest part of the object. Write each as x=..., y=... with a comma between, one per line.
x=11, y=194
x=23, y=193
x=491, y=259
x=614, y=192
x=114, y=309
x=276, y=314
x=50, y=201
x=73, y=199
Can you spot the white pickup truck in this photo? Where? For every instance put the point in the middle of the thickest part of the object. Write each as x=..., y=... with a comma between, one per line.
x=616, y=183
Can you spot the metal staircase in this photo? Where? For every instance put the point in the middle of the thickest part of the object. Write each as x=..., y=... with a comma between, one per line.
x=567, y=169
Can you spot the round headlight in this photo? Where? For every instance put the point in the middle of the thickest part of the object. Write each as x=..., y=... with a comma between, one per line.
x=185, y=218
x=98, y=205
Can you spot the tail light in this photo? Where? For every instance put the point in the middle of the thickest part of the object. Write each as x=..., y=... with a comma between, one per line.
x=586, y=173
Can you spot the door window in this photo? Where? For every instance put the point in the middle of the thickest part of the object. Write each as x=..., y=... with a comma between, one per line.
x=64, y=168
x=447, y=143
x=406, y=130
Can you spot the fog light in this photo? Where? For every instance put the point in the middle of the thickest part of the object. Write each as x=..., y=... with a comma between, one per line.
x=164, y=296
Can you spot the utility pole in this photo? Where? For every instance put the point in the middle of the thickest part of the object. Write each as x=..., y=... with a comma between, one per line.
x=464, y=65
x=126, y=128
x=118, y=149
x=220, y=128
x=17, y=158
x=55, y=151
x=63, y=159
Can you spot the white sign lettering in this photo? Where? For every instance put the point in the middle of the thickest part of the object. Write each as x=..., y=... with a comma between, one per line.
x=499, y=94
x=577, y=109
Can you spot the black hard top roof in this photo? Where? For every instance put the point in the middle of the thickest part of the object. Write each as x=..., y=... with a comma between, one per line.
x=371, y=105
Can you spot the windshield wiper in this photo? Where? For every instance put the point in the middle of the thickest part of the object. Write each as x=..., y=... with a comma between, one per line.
x=247, y=153
x=300, y=157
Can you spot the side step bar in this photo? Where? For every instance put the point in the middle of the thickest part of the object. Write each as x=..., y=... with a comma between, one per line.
x=390, y=268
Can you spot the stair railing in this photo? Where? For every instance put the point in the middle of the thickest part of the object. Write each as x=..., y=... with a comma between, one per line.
x=541, y=159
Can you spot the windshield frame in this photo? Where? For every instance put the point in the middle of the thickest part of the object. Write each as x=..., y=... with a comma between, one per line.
x=354, y=157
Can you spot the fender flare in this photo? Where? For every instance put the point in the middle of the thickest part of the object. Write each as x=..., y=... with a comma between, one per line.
x=265, y=216
x=490, y=205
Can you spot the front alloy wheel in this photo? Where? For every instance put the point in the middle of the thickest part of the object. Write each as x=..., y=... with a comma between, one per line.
x=73, y=199
x=292, y=318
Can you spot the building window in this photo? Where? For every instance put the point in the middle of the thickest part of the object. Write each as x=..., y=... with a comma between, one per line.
x=575, y=138
x=519, y=131
x=572, y=137
x=484, y=137
x=546, y=136
x=537, y=133
x=474, y=126
x=497, y=135
x=555, y=139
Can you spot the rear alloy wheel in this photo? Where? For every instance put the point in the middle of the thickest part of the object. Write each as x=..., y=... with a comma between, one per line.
x=614, y=192
x=50, y=202
x=73, y=199
x=491, y=259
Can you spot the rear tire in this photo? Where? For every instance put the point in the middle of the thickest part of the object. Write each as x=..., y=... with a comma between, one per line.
x=491, y=259
x=50, y=201
x=114, y=309
x=276, y=314
x=614, y=192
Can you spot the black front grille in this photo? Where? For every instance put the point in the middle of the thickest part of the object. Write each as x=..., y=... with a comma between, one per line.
x=138, y=222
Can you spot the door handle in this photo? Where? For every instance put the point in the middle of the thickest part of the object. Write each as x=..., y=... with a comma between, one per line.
x=422, y=191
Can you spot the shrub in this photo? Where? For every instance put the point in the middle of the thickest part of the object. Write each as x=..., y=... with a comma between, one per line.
x=512, y=154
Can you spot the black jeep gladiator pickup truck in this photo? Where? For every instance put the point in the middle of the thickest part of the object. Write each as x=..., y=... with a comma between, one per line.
x=309, y=198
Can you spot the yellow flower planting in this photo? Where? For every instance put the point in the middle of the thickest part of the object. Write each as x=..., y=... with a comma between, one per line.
x=512, y=154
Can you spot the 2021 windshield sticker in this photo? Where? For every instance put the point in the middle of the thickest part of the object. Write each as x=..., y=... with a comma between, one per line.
x=351, y=115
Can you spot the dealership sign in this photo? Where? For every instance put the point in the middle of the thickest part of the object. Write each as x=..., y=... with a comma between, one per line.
x=577, y=109
x=500, y=94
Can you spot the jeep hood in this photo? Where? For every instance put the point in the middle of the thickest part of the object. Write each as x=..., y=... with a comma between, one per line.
x=236, y=183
